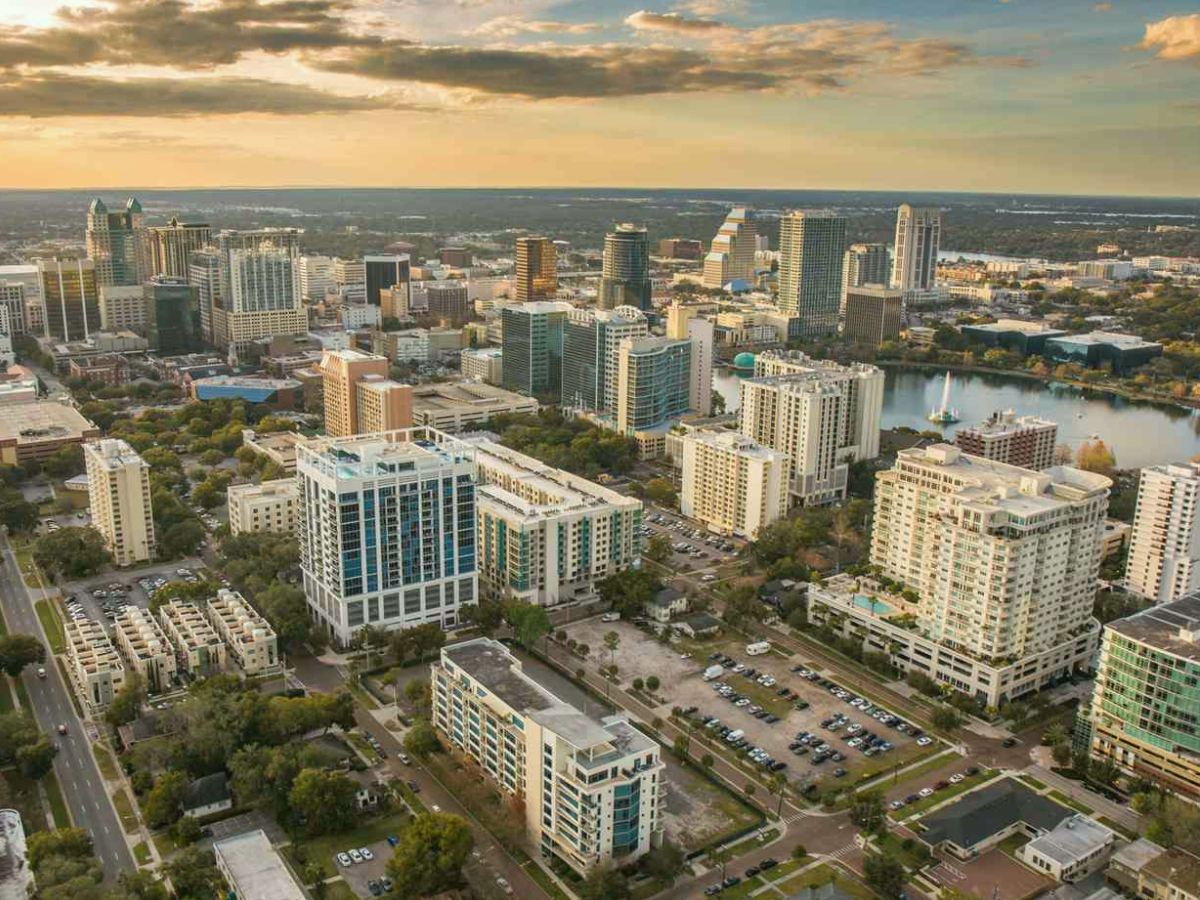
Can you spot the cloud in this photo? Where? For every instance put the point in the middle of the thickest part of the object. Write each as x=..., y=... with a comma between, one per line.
x=715, y=7
x=46, y=94
x=676, y=23
x=1174, y=38
x=509, y=26
x=1102, y=7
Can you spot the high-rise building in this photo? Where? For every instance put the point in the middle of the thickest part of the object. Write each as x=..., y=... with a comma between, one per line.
x=683, y=322
x=1164, y=549
x=263, y=299
x=1024, y=441
x=359, y=396
x=123, y=308
x=1145, y=702
x=172, y=315
x=591, y=352
x=20, y=292
x=811, y=247
x=533, y=347
x=873, y=314
x=592, y=791
x=316, y=277
x=119, y=498
x=172, y=246
x=350, y=279
x=456, y=257
x=731, y=484
x=918, y=237
x=544, y=535
x=116, y=243
x=536, y=270
x=625, y=276
x=204, y=273
x=654, y=382
x=386, y=530
x=381, y=272
x=679, y=248
x=72, y=303
x=822, y=415
x=866, y=264
x=449, y=301
x=731, y=257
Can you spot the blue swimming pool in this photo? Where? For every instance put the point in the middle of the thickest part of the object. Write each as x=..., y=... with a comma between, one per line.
x=876, y=606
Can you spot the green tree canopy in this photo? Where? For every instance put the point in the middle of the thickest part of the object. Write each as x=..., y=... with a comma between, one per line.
x=430, y=855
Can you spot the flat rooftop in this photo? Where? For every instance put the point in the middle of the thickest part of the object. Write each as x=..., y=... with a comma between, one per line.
x=257, y=869
x=114, y=454
x=733, y=442
x=1071, y=840
x=32, y=423
x=247, y=381
x=1008, y=325
x=465, y=396
x=1109, y=338
x=1173, y=628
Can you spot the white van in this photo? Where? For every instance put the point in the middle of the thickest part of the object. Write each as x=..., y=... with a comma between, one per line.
x=611, y=617
x=758, y=649
x=734, y=735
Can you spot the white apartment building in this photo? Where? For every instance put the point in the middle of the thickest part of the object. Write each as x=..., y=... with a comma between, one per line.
x=350, y=279
x=123, y=308
x=22, y=292
x=353, y=316
x=93, y=663
x=23, y=389
x=545, y=535
x=119, y=497
x=251, y=640
x=918, y=238
x=731, y=484
x=387, y=530
x=593, y=790
x=409, y=346
x=316, y=277
x=270, y=506
x=145, y=648
x=7, y=357
x=822, y=415
x=199, y=650
x=485, y=365
x=254, y=870
x=1164, y=549
x=1070, y=852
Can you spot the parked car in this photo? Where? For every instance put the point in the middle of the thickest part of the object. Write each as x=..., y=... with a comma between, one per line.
x=344, y=860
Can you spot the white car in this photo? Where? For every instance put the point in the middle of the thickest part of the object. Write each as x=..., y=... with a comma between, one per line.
x=356, y=856
x=925, y=792
x=435, y=807
x=956, y=779
x=924, y=741
x=504, y=885
x=365, y=853
x=344, y=860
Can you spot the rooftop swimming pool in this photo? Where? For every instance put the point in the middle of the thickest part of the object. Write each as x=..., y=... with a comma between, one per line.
x=878, y=607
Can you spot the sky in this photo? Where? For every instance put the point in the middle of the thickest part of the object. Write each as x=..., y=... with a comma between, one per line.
x=1035, y=96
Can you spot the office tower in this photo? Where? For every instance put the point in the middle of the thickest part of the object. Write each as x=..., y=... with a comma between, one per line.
x=678, y=248
x=172, y=308
x=654, y=382
x=1164, y=550
x=12, y=301
x=823, y=415
x=384, y=272
x=71, y=302
x=116, y=243
x=269, y=506
x=1024, y=441
x=316, y=277
x=204, y=274
x=395, y=302
x=172, y=246
x=547, y=536
x=7, y=357
x=386, y=530
x=731, y=484
x=731, y=257
x=123, y=308
x=918, y=237
x=20, y=291
x=866, y=264
x=533, y=347
x=625, y=276
x=450, y=301
x=683, y=322
x=535, y=274
x=811, y=246
x=1144, y=706
x=350, y=279
x=592, y=791
x=591, y=352
x=359, y=397
x=263, y=299
x=456, y=257
x=119, y=498
x=873, y=314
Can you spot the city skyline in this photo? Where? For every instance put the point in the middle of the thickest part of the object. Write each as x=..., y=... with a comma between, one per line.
x=985, y=95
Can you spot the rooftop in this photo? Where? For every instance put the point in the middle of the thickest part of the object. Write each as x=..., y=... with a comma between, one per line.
x=1071, y=840
x=1173, y=628
x=1018, y=325
x=1137, y=855
x=247, y=381
x=733, y=442
x=1008, y=422
x=31, y=423
x=371, y=455
x=486, y=353
x=1112, y=339
x=207, y=790
x=276, y=488
x=1178, y=868
x=257, y=869
x=984, y=812
x=113, y=454
x=465, y=396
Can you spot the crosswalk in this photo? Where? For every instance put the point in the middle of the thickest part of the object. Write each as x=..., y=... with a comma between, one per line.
x=795, y=817
x=842, y=852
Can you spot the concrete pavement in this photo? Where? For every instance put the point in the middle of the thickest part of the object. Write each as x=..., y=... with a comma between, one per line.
x=85, y=792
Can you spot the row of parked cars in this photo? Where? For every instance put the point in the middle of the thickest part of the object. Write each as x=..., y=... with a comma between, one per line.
x=866, y=708
x=736, y=738
x=765, y=866
x=956, y=778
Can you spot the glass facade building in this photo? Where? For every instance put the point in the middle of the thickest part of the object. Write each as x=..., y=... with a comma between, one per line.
x=811, y=249
x=533, y=348
x=625, y=277
x=654, y=383
x=384, y=272
x=172, y=316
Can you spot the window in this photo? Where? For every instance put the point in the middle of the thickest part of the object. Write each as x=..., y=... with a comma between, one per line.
x=354, y=613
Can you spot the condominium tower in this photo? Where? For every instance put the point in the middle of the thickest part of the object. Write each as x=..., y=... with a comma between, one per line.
x=731, y=257
x=119, y=498
x=918, y=237
x=172, y=246
x=731, y=484
x=811, y=248
x=116, y=243
x=591, y=354
x=625, y=276
x=533, y=347
x=359, y=397
x=866, y=264
x=536, y=270
x=386, y=530
x=654, y=383
x=259, y=291
x=684, y=323
x=172, y=308
x=1164, y=549
x=591, y=790
x=1024, y=441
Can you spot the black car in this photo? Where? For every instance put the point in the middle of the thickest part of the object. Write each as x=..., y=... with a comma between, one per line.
x=731, y=881
x=839, y=757
x=413, y=786
x=810, y=789
x=767, y=863
x=801, y=704
x=714, y=656
x=777, y=766
x=973, y=770
x=1010, y=742
x=771, y=719
x=839, y=773
x=783, y=692
x=752, y=871
x=690, y=710
x=800, y=751
x=715, y=889
x=911, y=798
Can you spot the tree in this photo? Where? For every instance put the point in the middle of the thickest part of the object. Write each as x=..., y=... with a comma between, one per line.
x=652, y=683
x=430, y=855
x=884, y=875
x=1062, y=754
x=666, y=861
x=72, y=552
x=127, y=705
x=284, y=607
x=628, y=592
x=420, y=740
x=869, y=811
x=658, y=549
x=141, y=885
x=17, y=730
x=605, y=884
x=660, y=491
x=186, y=831
x=194, y=874
x=163, y=805
x=325, y=799
x=612, y=640
x=799, y=852
x=214, y=457
x=529, y=622
x=17, y=513
x=182, y=539
x=34, y=761
x=638, y=684
x=18, y=651
x=946, y=718
x=1095, y=456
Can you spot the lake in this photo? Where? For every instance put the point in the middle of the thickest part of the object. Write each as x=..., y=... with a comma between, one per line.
x=1139, y=433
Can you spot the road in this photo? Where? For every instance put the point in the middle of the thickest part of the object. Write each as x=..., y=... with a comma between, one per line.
x=82, y=787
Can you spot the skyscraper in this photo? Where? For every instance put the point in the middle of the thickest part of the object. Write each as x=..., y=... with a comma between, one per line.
x=22, y=314
x=316, y=277
x=591, y=352
x=865, y=264
x=385, y=272
x=259, y=293
x=918, y=237
x=683, y=323
x=625, y=277
x=350, y=279
x=654, y=383
x=116, y=243
x=873, y=314
x=533, y=347
x=359, y=396
x=732, y=255
x=71, y=299
x=172, y=315
x=172, y=246
x=1164, y=549
x=204, y=274
x=811, y=247
x=536, y=269
x=119, y=498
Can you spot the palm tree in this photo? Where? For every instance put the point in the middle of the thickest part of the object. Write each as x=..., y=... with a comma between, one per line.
x=778, y=785
x=841, y=532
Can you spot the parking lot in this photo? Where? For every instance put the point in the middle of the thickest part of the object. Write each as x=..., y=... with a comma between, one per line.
x=746, y=705
x=691, y=545
x=360, y=873
x=103, y=597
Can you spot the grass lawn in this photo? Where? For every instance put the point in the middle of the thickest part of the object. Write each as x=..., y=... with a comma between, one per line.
x=27, y=800
x=363, y=696
x=1071, y=802
x=28, y=567
x=23, y=696
x=52, y=625
x=753, y=842
x=323, y=849
x=141, y=852
x=105, y=761
x=1013, y=843
x=125, y=811
x=823, y=874
x=406, y=792
x=163, y=842
x=1032, y=782
x=1119, y=829
x=58, y=806
x=945, y=757
x=894, y=847
x=943, y=795
x=339, y=890
x=650, y=888
x=538, y=874
x=862, y=768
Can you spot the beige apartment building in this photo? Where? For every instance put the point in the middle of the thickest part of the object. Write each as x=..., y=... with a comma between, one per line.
x=119, y=495
x=199, y=650
x=270, y=506
x=383, y=405
x=1164, y=549
x=731, y=484
x=94, y=664
x=486, y=365
x=145, y=648
x=123, y=308
x=359, y=396
x=250, y=639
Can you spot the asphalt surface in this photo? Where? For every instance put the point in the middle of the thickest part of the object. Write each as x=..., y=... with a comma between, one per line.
x=82, y=787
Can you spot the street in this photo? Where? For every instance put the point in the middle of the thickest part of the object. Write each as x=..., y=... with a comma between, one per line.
x=82, y=787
